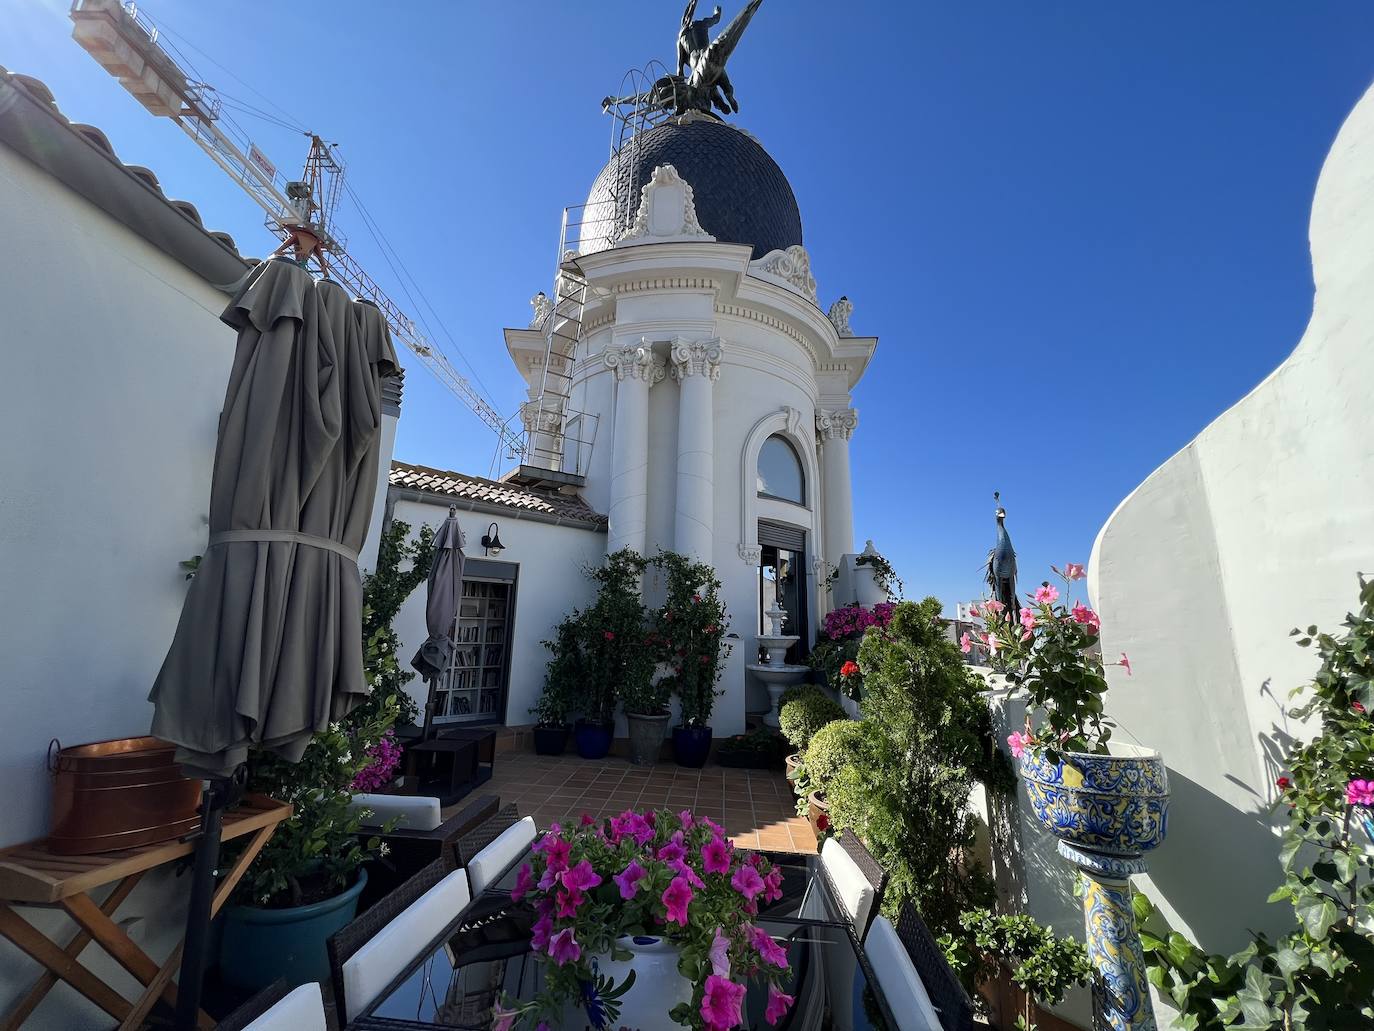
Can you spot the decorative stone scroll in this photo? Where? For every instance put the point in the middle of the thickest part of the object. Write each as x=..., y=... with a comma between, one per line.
x=836, y=423
x=696, y=358
x=634, y=361
x=667, y=211
x=839, y=316
x=538, y=419
x=792, y=266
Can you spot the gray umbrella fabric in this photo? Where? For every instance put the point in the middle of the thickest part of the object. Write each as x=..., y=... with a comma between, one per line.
x=268, y=649
x=444, y=592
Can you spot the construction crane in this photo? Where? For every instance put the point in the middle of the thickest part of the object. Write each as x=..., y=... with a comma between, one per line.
x=300, y=212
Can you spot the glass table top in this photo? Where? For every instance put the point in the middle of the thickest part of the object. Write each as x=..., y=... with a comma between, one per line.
x=455, y=984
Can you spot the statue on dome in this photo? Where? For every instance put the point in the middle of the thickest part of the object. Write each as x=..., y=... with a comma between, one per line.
x=700, y=80
x=1001, y=575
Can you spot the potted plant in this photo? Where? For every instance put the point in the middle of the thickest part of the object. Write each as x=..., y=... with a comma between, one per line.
x=644, y=919
x=564, y=680
x=1109, y=800
x=760, y=749
x=305, y=883
x=689, y=631
x=882, y=582
x=836, y=654
x=805, y=713
x=611, y=642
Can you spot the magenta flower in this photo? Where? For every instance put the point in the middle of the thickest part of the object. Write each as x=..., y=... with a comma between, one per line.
x=673, y=850
x=714, y=827
x=1086, y=616
x=566, y=903
x=1360, y=792
x=587, y=820
x=629, y=879
x=1125, y=664
x=676, y=897
x=1046, y=594
x=1018, y=741
x=773, y=885
x=683, y=869
x=581, y=877
x=539, y=934
x=686, y=819
x=747, y=882
x=769, y=949
x=715, y=856
x=503, y=1019
x=563, y=947
x=778, y=1005
x=721, y=1005
x=524, y=881
x=720, y=954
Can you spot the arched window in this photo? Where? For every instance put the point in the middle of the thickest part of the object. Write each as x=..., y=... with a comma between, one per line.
x=780, y=471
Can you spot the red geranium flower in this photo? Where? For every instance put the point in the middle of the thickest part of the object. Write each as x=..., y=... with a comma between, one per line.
x=1283, y=783
x=849, y=669
x=823, y=822
x=1358, y=707
x=610, y=636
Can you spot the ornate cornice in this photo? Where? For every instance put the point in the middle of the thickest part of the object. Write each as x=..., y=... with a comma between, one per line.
x=634, y=361
x=700, y=358
x=637, y=286
x=836, y=423
x=772, y=322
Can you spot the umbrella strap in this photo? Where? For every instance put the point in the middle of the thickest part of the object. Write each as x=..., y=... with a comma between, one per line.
x=282, y=537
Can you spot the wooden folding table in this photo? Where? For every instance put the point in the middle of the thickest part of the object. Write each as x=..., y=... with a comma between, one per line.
x=31, y=875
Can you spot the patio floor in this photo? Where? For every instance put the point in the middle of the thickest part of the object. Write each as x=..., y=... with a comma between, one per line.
x=756, y=807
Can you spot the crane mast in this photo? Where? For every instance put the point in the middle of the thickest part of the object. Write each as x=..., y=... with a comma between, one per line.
x=299, y=212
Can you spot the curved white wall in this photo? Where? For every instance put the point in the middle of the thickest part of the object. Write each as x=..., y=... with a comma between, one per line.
x=1259, y=525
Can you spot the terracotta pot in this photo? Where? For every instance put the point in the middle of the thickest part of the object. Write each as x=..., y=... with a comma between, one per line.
x=818, y=812
x=793, y=761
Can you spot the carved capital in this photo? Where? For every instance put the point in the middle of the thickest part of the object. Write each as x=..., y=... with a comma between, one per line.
x=696, y=358
x=540, y=419
x=792, y=266
x=634, y=362
x=751, y=554
x=667, y=210
x=839, y=316
x=836, y=423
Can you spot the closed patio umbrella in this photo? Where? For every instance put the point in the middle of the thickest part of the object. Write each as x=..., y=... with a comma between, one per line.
x=268, y=649
x=443, y=596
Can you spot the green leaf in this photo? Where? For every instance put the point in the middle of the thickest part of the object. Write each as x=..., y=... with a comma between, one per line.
x=1317, y=913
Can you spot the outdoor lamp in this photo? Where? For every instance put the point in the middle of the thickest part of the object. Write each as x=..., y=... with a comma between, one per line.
x=491, y=540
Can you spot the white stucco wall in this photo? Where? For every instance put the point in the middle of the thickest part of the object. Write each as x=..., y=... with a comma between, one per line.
x=116, y=368
x=1257, y=526
x=550, y=583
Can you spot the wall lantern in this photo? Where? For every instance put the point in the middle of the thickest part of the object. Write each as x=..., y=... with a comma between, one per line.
x=491, y=540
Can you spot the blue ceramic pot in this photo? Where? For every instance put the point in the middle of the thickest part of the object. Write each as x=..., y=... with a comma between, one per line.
x=1117, y=804
x=593, y=739
x=261, y=945
x=691, y=746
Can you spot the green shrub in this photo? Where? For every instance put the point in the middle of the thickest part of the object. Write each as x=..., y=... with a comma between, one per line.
x=836, y=745
x=807, y=713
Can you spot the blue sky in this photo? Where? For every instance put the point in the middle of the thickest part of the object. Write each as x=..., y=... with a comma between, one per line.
x=1078, y=229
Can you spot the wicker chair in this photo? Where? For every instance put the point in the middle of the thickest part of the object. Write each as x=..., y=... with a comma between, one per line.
x=484, y=834
x=278, y=1006
x=868, y=867
x=947, y=995
x=344, y=944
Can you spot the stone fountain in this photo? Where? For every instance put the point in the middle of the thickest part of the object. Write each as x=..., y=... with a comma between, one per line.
x=775, y=672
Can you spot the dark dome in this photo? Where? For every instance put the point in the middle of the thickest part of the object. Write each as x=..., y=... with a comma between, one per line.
x=741, y=194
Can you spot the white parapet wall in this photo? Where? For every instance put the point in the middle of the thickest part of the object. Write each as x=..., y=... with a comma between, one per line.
x=1257, y=526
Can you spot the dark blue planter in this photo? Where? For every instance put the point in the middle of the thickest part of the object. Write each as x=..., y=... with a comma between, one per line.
x=593, y=739
x=550, y=740
x=691, y=746
x=262, y=945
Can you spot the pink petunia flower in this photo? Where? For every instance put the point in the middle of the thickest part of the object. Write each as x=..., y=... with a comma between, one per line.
x=778, y=1005
x=676, y=898
x=503, y=1019
x=524, y=881
x=540, y=933
x=715, y=856
x=720, y=954
x=683, y=869
x=747, y=882
x=1360, y=792
x=772, y=885
x=1018, y=741
x=629, y=878
x=563, y=947
x=1046, y=594
x=769, y=949
x=721, y=1004
x=1125, y=664
x=566, y=903
x=685, y=818
x=587, y=819
x=581, y=877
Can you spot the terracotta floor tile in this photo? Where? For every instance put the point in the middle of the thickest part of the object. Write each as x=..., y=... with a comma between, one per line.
x=745, y=840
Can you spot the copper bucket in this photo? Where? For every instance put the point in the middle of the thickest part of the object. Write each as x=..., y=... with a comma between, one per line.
x=110, y=795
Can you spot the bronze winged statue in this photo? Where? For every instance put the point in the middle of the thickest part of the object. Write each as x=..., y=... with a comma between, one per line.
x=700, y=80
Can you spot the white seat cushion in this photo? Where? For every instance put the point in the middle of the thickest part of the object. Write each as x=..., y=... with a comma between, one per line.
x=416, y=812
x=369, y=970
x=852, y=889
x=901, y=985
x=302, y=1010
x=486, y=868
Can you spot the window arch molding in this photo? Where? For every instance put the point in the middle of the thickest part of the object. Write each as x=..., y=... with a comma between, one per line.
x=786, y=422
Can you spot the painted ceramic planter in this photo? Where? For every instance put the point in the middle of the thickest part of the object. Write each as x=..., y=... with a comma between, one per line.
x=818, y=813
x=1116, y=804
x=657, y=989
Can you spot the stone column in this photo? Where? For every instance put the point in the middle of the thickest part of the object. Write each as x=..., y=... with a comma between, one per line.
x=835, y=426
x=635, y=371
x=696, y=366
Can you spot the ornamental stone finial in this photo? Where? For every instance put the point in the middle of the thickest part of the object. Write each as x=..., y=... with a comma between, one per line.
x=543, y=308
x=836, y=423
x=634, y=361
x=667, y=211
x=696, y=358
x=839, y=316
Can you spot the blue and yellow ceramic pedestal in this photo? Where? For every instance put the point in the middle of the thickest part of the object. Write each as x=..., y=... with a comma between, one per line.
x=1121, y=993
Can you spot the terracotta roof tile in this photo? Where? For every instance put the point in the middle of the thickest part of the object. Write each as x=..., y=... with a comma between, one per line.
x=550, y=504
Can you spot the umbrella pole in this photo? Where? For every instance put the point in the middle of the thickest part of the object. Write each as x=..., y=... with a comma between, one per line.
x=218, y=794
